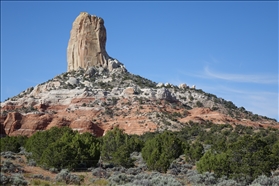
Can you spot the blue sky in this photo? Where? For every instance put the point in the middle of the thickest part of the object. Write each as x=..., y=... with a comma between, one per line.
x=229, y=49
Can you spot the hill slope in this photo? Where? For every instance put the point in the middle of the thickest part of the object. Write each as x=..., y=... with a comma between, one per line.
x=98, y=100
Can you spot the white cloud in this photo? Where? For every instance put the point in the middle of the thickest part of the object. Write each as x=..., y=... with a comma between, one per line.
x=259, y=102
x=258, y=95
x=243, y=78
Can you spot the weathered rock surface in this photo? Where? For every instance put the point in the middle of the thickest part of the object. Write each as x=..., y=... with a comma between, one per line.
x=72, y=81
x=87, y=44
x=90, y=72
x=105, y=100
x=160, y=85
x=183, y=86
x=164, y=93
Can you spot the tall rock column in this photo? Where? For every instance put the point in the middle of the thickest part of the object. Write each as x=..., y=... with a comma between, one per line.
x=87, y=44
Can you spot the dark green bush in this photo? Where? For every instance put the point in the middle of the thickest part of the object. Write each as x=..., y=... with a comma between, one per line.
x=160, y=151
x=194, y=152
x=12, y=143
x=72, y=151
x=39, y=141
x=63, y=148
x=199, y=104
x=248, y=157
x=117, y=146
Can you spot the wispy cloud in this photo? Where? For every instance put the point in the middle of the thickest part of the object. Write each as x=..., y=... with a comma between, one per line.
x=256, y=92
x=247, y=92
x=242, y=78
x=259, y=102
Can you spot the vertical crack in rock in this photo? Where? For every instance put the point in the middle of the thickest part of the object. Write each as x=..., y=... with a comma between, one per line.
x=87, y=43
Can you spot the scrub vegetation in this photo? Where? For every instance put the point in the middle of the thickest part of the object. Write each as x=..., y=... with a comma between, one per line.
x=204, y=154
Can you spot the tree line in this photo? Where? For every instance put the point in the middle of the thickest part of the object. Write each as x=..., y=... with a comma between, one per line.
x=235, y=152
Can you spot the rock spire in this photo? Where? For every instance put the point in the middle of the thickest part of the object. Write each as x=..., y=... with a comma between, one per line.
x=87, y=43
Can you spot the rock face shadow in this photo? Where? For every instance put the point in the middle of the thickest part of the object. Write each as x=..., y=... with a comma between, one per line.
x=87, y=43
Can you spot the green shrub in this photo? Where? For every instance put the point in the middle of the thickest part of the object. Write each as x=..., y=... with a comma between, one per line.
x=230, y=105
x=199, y=104
x=63, y=148
x=160, y=151
x=12, y=143
x=72, y=151
x=194, y=152
x=116, y=148
x=248, y=157
x=190, y=97
x=39, y=141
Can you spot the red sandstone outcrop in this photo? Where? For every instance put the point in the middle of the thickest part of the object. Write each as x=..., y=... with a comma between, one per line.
x=136, y=118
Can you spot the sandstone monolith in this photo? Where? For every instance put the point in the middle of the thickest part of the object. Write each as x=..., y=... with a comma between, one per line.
x=87, y=43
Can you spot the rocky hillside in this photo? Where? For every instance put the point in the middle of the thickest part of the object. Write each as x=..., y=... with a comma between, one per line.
x=98, y=93
x=97, y=100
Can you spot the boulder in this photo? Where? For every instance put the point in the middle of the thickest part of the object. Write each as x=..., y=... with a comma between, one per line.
x=116, y=91
x=73, y=81
x=90, y=72
x=164, y=93
x=129, y=91
x=149, y=93
x=167, y=84
x=160, y=85
x=36, y=90
x=87, y=83
x=114, y=64
x=182, y=86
